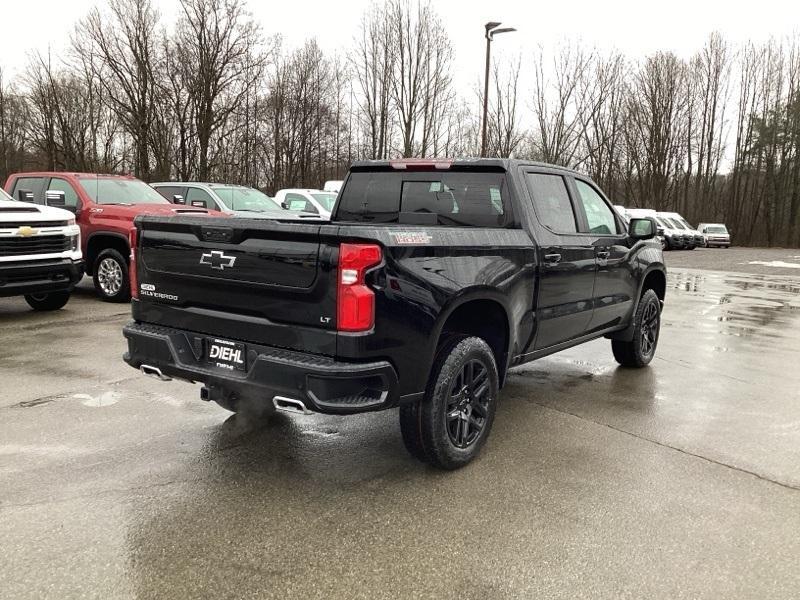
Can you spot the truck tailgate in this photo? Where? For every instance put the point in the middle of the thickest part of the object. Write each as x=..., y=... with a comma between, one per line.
x=243, y=278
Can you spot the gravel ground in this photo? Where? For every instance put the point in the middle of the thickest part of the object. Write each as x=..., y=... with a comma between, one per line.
x=760, y=261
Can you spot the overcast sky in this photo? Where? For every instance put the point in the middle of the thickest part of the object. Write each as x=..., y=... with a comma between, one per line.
x=636, y=28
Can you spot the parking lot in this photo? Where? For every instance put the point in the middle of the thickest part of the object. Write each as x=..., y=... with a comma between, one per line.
x=681, y=480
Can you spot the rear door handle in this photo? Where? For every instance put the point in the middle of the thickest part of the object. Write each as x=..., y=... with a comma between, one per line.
x=552, y=259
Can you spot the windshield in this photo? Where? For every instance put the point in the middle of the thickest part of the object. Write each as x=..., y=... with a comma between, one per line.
x=716, y=229
x=675, y=223
x=121, y=191
x=685, y=224
x=245, y=199
x=326, y=200
x=661, y=221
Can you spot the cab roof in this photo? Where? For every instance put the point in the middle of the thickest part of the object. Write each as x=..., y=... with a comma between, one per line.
x=445, y=164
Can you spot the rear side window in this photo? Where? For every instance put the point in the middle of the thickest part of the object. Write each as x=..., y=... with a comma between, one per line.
x=35, y=185
x=454, y=198
x=551, y=200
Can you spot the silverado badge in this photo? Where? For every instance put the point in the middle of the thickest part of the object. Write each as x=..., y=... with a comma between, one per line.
x=217, y=260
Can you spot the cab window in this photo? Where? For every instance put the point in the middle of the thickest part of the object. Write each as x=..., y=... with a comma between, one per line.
x=299, y=203
x=70, y=195
x=551, y=202
x=198, y=197
x=25, y=185
x=599, y=215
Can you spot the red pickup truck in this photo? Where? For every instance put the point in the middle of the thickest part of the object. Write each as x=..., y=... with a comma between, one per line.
x=104, y=207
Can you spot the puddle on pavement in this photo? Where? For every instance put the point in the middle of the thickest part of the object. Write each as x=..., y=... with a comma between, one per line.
x=740, y=305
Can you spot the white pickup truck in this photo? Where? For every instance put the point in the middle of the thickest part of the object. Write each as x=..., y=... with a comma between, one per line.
x=40, y=253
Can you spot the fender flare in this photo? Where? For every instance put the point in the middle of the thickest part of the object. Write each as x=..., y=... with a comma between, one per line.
x=95, y=234
x=626, y=335
x=463, y=297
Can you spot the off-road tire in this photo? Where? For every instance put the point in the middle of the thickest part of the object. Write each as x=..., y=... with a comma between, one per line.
x=430, y=430
x=641, y=349
x=48, y=301
x=112, y=291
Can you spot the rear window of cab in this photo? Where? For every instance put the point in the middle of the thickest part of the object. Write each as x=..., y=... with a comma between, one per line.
x=449, y=198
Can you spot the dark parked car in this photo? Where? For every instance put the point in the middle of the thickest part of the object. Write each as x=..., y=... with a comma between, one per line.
x=432, y=279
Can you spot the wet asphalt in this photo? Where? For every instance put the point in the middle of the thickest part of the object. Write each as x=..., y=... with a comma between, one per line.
x=681, y=480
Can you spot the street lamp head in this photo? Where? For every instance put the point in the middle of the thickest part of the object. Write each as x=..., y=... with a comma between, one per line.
x=491, y=25
x=503, y=30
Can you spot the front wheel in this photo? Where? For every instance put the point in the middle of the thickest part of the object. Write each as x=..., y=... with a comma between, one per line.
x=49, y=301
x=646, y=327
x=448, y=427
x=111, y=276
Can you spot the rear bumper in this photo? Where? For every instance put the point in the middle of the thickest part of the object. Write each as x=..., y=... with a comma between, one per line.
x=323, y=385
x=39, y=277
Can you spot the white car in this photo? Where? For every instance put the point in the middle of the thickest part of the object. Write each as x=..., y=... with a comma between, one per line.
x=333, y=185
x=313, y=201
x=40, y=252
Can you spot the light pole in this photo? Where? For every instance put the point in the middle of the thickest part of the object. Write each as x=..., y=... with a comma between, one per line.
x=491, y=31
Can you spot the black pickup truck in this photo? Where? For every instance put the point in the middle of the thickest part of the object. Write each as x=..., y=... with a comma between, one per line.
x=431, y=280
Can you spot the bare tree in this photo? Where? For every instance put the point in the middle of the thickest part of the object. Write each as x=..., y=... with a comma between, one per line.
x=121, y=44
x=222, y=43
x=504, y=132
x=421, y=72
x=558, y=105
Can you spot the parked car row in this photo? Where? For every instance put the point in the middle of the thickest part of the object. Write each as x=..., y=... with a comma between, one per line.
x=55, y=226
x=676, y=233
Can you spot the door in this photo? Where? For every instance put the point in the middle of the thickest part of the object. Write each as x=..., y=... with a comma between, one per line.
x=615, y=286
x=566, y=259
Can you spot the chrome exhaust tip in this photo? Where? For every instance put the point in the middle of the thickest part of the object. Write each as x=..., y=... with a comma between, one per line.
x=290, y=405
x=154, y=372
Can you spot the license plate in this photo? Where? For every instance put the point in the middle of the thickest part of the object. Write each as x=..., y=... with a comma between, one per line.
x=226, y=354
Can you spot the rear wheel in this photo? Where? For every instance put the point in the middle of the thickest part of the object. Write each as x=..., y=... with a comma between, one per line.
x=111, y=279
x=646, y=327
x=448, y=427
x=48, y=301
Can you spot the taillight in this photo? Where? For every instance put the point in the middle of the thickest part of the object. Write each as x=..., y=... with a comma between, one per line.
x=132, y=239
x=355, y=301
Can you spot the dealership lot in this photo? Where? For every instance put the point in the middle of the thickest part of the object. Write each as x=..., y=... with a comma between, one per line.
x=681, y=480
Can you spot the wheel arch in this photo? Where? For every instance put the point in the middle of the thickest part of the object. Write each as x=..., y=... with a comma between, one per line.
x=482, y=313
x=97, y=242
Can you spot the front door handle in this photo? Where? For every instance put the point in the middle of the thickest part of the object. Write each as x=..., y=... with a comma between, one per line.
x=552, y=259
x=603, y=254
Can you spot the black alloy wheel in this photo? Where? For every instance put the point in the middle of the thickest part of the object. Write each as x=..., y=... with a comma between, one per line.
x=468, y=406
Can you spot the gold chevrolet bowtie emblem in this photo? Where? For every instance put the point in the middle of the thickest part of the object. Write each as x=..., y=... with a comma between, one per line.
x=26, y=231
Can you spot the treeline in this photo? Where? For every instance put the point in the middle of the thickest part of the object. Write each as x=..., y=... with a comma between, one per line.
x=216, y=97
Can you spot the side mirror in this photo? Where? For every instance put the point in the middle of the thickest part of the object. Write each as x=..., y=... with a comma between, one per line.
x=642, y=229
x=55, y=198
x=178, y=199
x=660, y=231
x=25, y=196
x=285, y=205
